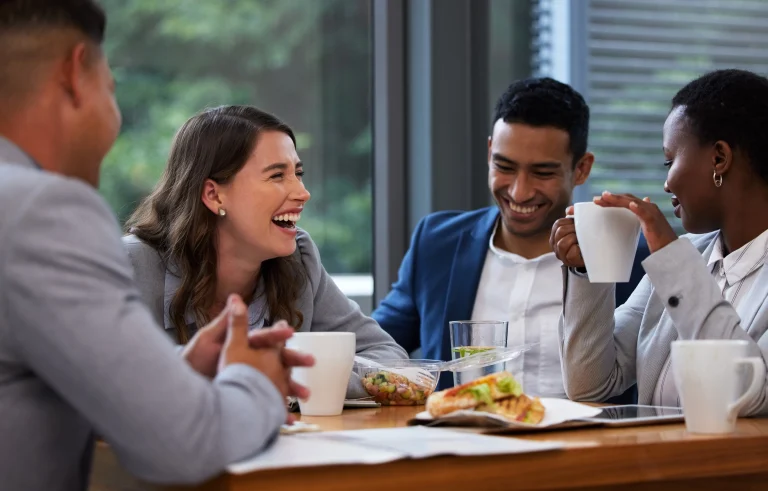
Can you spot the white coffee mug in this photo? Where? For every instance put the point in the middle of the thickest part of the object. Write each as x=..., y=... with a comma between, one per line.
x=327, y=381
x=710, y=376
x=608, y=241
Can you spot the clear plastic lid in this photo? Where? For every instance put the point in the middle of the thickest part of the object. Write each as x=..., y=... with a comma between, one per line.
x=486, y=358
x=431, y=365
x=480, y=359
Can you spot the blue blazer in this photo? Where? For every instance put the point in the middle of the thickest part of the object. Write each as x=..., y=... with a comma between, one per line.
x=438, y=279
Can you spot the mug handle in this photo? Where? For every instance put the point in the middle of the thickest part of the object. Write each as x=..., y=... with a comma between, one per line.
x=758, y=380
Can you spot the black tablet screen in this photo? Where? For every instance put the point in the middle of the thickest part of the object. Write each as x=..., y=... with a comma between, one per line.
x=635, y=412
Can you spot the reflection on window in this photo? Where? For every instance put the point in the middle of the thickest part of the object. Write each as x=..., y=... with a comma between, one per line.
x=306, y=61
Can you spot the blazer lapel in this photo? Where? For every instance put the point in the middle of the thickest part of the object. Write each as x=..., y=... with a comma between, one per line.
x=464, y=279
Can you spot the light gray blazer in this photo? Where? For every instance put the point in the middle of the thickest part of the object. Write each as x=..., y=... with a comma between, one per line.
x=81, y=353
x=605, y=352
x=323, y=304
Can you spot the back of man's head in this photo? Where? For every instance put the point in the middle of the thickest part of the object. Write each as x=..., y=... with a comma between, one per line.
x=545, y=102
x=35, y=31
x=55, y=84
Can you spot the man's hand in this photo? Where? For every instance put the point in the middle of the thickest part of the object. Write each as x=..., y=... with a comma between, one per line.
x=275, y=337
x=564, y=242
x=263, y=350
x=203, y=350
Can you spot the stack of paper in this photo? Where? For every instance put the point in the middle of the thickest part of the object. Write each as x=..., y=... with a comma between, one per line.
x=382, y=445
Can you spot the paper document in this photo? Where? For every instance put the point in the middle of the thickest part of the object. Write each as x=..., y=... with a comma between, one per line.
x=378, y=446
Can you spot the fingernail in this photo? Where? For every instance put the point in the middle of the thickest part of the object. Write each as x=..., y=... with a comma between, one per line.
x=237, y=307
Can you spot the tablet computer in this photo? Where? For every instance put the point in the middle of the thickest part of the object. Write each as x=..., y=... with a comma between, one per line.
x=634, y=414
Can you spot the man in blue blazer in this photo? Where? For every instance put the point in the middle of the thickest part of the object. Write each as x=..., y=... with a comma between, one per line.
x=496, y=263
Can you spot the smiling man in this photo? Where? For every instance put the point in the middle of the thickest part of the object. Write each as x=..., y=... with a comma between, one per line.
x=496, y=263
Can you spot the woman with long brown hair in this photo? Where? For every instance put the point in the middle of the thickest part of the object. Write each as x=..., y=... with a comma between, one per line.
x=222, y=219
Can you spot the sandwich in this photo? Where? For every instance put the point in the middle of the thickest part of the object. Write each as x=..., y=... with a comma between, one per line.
x=498, y=393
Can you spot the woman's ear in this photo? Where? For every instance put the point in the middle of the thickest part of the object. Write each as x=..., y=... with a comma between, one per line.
x=211, y=197
x=722, y=157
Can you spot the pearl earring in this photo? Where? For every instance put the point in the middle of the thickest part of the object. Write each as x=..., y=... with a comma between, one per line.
x=222, y=212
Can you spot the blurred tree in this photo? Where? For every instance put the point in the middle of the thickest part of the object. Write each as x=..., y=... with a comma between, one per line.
x=306, y=61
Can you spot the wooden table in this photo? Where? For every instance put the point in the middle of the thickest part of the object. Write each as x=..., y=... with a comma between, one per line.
x=657, y=457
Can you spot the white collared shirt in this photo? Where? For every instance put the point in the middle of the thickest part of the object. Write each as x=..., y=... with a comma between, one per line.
x=528, y=293
x=735, y=274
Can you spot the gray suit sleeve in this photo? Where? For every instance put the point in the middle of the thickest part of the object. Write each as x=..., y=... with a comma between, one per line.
x=333, y=311
x=700, y=312
x=598, y=343
x=79, y=324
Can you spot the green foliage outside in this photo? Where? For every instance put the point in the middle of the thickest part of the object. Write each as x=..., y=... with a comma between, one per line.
x=307, y=61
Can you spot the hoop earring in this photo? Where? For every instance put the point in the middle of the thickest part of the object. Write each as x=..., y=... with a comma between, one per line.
x=223, y=212
x=718, y=179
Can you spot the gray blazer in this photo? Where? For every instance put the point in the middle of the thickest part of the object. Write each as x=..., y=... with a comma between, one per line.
x=324, y=306
x=80, y=353
x=605, y=352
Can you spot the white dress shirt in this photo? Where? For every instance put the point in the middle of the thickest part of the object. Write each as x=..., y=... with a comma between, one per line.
x=528, y=293
x=735, y=275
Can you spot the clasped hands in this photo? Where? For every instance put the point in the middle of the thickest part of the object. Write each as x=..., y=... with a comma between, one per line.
x=226, y=341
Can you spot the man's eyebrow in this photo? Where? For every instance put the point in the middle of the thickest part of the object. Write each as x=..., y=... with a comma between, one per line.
x=547, y=165
x=552, y=165
x=501, y=158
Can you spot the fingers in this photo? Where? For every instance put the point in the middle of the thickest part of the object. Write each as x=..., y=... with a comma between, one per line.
x=557, y=233
x=293, y=358
x=645, y=210
x=611, y=200
x=237, y=316
x=297, y=390
x=565, y=243
x=568, y=250
x=568, y=228
x=270, y=337
x=216, y=330
x=573, y=256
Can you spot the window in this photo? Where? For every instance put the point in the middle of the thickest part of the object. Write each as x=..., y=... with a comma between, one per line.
x=629, y=58
x=306, y=61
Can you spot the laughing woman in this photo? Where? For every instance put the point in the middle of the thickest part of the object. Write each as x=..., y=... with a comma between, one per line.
x=713, y=285
x=223, y=219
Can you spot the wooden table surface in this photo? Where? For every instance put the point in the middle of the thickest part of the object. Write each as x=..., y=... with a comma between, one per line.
x=658, y=457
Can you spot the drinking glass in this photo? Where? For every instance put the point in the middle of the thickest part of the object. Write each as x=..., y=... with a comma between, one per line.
x=470, y=337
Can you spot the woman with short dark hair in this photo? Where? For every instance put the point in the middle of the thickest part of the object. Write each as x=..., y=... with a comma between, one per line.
x=708, y=286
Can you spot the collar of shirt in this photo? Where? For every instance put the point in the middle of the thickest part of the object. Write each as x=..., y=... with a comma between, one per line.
x=512, y=257
x=742, y=262
x=12, y=154
x=257, y=309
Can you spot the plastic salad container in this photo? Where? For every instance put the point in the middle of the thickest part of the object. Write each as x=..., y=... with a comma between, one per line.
x=410, y=382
